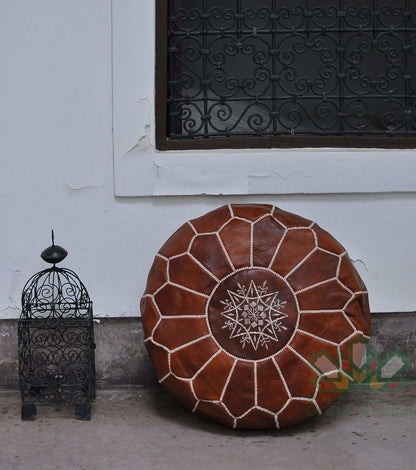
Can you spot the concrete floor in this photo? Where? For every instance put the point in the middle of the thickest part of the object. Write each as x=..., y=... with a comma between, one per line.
x=137, y=429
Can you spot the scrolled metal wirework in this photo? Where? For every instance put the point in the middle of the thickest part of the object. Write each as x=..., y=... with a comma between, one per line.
x=277, y=67
x=56, y=343
x=55, y=293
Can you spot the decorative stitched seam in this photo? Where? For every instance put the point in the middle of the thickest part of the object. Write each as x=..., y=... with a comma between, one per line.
x=252, y=245
x=265, y=410
x=203, y=267
x=197, y=340
x=192, y=227
x=317, y=312
x=282, y=377
x=228, y=379
x=155, y=327
x=164, y=377
x=317, y=337
x=191, y=385
x=305, y=360
x=321, y=283
x=349, y=321
x=225, y=252
x=276, y=251
x=345, y=287
x=337, y=272
x=180, y=286
x=317, y=407
x=205, y=364
x=178, y=317
x=160, y=288
x=303, y=260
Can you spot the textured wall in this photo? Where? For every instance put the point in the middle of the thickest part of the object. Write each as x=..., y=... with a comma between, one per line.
x=121, y=357
x=57, y=168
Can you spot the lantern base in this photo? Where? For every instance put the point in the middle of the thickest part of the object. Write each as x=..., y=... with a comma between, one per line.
x=28, y=411
x=83, y=411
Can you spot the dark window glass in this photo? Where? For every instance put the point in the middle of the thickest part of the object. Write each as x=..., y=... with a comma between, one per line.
x=289, y=69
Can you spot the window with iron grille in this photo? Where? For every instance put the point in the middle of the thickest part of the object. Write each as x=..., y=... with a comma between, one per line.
x=283, y=73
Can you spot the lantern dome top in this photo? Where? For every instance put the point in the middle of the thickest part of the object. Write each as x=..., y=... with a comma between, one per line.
x=55, y=292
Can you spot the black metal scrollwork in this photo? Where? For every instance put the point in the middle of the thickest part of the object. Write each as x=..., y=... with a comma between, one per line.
x=276, y=67
x=56, y=343
x=55, y=293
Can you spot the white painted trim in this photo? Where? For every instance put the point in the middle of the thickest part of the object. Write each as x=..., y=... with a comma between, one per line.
x=140, y=170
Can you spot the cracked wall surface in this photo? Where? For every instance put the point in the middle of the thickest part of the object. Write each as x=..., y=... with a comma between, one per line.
x=59, y=167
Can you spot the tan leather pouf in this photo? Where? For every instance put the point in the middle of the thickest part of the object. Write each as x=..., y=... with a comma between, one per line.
x=240, y=305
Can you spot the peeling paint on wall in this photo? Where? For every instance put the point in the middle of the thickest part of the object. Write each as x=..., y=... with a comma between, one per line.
x=10, y=312
x=85, y=187
x=144, y=142
x=14, y=285
x=360, y=262
x=256, y=180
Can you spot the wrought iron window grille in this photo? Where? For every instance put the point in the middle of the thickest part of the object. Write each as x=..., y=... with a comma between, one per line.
x=235, y=73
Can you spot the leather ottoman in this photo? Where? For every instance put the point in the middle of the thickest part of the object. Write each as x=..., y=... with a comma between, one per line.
x=249, y=311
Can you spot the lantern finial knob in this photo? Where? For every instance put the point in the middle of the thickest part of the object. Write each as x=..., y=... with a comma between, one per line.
x=54, y=253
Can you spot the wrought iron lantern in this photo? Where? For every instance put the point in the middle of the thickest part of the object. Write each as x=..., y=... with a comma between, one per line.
x=56, y=340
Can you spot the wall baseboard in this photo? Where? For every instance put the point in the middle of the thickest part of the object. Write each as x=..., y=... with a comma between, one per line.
x=121, y=357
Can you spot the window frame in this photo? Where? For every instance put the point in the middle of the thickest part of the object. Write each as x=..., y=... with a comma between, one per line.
x=164, y=143
x=142, y=170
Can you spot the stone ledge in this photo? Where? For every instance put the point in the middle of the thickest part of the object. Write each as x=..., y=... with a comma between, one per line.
x=121, y=357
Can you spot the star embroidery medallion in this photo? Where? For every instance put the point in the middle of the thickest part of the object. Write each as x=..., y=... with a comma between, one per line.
x=254, y=316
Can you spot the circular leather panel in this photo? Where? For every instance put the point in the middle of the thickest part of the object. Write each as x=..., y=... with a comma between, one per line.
x=254, y=317
x=252, y=313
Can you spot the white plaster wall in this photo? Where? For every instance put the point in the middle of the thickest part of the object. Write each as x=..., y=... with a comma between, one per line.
x=56, y=169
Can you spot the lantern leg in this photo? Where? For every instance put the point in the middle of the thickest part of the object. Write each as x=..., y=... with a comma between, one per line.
x=28, y=410
x=83, y=411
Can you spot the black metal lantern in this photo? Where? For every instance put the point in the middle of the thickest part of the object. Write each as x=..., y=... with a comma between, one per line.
x=56, y=340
